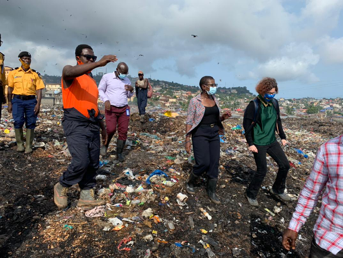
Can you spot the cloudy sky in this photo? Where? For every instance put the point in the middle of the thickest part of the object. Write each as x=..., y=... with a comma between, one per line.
x=299, y=42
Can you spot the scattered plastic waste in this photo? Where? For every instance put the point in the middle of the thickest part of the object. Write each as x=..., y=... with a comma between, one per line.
x=237, y=127
x=221, y=138
x=204, y=231
x=301, y=153
x=151, y=136
x=208, y=249
x=67, y=227
x=171, y=225
x=205, y=213
x=103, y=163
x=148, y=238
x=95, y=212
x=100, y=177
x=147, y=213
x=106, y=229
x=128, y=172
x=125, y=241
x=191, y=222
x=39, y=145
x=147, y=253
x=271, y=213
x=115, y=221
x=156, y=172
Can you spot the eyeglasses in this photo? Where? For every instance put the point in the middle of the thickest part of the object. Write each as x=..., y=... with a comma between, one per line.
x=89, y=57
x=212, y=85
x=140, y=74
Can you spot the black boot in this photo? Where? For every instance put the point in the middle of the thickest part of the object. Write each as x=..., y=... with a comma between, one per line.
x=211, y=190
x=190, y=183
x=120, y=148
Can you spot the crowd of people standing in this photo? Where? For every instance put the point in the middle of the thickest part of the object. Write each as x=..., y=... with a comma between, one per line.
x=83, y=124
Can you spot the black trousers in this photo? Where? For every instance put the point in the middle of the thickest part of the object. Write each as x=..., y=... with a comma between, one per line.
x=206, y=148
x=275, y=151
x=318, y=252
x=84, y=146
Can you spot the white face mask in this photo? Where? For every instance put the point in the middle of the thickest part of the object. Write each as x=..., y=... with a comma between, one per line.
x=212, y=91
x=121, y=76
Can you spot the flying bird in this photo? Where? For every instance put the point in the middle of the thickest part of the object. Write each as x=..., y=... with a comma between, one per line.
x=140, y=55
x=194, y=36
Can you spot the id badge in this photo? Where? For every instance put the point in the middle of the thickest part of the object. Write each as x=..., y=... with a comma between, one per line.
x=128, y=112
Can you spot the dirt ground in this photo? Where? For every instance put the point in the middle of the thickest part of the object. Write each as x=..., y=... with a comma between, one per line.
x=32, y=226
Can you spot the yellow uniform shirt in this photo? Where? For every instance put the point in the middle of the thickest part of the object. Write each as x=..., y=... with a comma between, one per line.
x=2, y=71
x=25, y=83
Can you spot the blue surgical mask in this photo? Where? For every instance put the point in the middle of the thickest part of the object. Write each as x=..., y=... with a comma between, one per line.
x=212, y=91
x=269, y=97
x=121, y=76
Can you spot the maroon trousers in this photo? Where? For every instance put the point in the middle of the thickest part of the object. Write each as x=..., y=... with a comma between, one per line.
x=117, y=117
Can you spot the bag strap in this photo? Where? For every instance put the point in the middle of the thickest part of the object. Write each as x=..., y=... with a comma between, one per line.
x=276, y=106
x=257, y=105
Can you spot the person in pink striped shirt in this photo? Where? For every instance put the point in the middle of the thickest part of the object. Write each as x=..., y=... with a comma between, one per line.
x=327, y=172
x=203, y=126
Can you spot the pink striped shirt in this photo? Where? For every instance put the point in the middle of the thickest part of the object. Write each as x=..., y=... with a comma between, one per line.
x=327, y=172
x=196, y=111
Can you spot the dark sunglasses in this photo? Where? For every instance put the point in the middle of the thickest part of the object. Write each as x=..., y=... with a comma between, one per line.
x=140, y=74
x=89, y=57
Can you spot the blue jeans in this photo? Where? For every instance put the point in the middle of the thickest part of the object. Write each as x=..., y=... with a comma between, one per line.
x=23, y=111
x=142, y=100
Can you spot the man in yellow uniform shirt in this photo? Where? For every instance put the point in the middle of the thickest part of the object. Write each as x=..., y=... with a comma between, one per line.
x=2, y=79
x=24, y=84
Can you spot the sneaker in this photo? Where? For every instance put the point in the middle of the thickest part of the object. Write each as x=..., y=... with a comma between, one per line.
x=60, y=196
x=284, y=196
x=252, y=202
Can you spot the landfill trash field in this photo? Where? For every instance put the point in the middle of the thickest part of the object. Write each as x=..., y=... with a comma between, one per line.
x=148, y=211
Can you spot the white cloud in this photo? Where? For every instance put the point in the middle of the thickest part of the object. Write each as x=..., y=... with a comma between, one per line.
x=331, y=50
x=293, y=63
x=319, y=17
x=270, y=39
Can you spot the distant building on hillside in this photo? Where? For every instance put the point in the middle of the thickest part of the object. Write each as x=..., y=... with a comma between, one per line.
x=53, y=87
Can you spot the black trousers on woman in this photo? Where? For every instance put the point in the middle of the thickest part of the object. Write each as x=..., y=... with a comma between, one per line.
x=275, y=151
x=206, y=148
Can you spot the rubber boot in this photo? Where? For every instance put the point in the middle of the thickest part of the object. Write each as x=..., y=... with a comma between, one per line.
x=120, y=148
x=190, y=183
x=103, y=150
x=19, y=138
x=211, y=190
x=87, y=199
x=29, y=140
x=60, y=196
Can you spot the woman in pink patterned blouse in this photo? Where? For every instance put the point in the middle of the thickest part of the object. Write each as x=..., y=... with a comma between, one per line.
x=204, y=125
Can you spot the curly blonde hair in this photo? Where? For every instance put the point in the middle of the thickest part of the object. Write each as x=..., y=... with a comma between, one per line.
x=265, y=85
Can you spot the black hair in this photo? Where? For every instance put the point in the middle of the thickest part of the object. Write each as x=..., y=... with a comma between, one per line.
x=79, y=49
x=204, y=80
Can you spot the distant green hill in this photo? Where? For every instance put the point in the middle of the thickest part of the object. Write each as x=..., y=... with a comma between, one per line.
x=51, y=79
